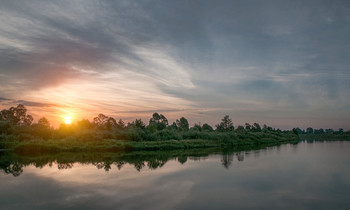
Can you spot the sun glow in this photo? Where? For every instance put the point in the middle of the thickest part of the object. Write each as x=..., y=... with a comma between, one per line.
x=67, y=119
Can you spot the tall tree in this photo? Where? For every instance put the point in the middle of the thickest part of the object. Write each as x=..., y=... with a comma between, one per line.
x=158, y=121
x=182, y=124
x=17, y=116
x=225, y=125
x=44, y=123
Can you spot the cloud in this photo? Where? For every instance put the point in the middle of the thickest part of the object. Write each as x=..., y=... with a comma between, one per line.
x=177, y=55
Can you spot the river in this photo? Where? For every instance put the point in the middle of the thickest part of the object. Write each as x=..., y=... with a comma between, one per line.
x=312, y=175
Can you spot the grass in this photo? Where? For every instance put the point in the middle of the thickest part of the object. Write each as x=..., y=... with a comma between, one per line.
x=39, y=146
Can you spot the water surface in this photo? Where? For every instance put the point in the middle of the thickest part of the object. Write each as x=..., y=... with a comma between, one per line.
x=303, y=176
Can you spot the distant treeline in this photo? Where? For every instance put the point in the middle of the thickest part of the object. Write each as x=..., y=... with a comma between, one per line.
x=16, y=121
x=321, y=131
x=17, y=126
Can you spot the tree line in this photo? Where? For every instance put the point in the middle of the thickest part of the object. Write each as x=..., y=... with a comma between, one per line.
x=16, y=124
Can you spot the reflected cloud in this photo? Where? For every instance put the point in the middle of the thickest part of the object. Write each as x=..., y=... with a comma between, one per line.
x=281, y=177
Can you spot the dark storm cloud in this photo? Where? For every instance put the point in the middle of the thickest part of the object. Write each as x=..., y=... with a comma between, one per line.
x=225, y=54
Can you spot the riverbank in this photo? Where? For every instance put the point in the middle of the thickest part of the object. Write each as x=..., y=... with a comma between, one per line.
x=38, y=146
x=325, y=137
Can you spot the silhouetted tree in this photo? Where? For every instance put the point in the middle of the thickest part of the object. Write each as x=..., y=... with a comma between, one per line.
x=256, y=127
x=44, y=123
x=173, y=126
x=84, y=124
x=309, y=130
x=158, y=122
x=120, y=124
x=329, y=131
x=340, y=131
x=207, y=127
x=182, y=124
x=297, y=131
x=319, y=131
x=197, y=127
x=225, y=125
x=111, y=123
x=17, y=116
x=104, y=122
x=100, y=121
x=248, y=127
x=138, y=123
x=240, y=128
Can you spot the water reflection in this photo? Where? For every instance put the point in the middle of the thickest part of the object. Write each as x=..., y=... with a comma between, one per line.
x=11, y=163
x=306, y=176
x=14, y=163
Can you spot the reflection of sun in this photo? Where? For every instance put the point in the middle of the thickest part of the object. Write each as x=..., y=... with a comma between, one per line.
x=67, y=119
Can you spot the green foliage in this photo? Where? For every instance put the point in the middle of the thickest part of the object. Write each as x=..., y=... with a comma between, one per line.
x=182, y=124
x=157, y=122
x=104, y=133
x=16, y=116
x=207, y=127
x=138, y=123
x=226, y=125
x=196, y=127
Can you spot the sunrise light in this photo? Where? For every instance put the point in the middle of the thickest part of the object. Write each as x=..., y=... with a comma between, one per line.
x=67, y=119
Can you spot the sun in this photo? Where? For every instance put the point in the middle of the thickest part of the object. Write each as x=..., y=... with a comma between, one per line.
x=67, y=119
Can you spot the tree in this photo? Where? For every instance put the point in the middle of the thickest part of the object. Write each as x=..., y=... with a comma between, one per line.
x=319, y=131
x=84, y=124
x=225, y=125
x=341, y=131
x=309, y=130
x=17, y=116
x=100, y=120
x=248, y=127
x=173, y=126
x=42, y=128
x=295, y=131
x=256, y=127
x=44, y=123
x=207, y=127
x=120, y=124
x=182, y=124
x=104, y=122
x=197, y=127
x=111, y=123
x=240, y=128
x=158, y=122
x=329, y=131
x=138, y=123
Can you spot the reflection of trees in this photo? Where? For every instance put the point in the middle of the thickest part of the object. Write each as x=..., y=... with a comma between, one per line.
x=139, y=165
x=240, y=156
x=15, y=169
x=106, y=165
x=226, y=160
x=182, y=159
x=13, y=164
x=154, y=164
x=119, y=164
x=61, y=166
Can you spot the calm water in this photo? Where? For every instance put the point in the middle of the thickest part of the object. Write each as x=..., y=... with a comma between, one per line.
x=303, y=176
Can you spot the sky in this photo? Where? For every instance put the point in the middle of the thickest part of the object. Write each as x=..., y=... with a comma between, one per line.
x=281, y=63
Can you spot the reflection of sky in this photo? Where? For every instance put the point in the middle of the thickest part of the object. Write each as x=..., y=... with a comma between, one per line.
x=283, y=63
x=294, y=177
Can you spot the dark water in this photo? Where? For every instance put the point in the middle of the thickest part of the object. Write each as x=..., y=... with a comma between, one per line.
x=302, y=176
